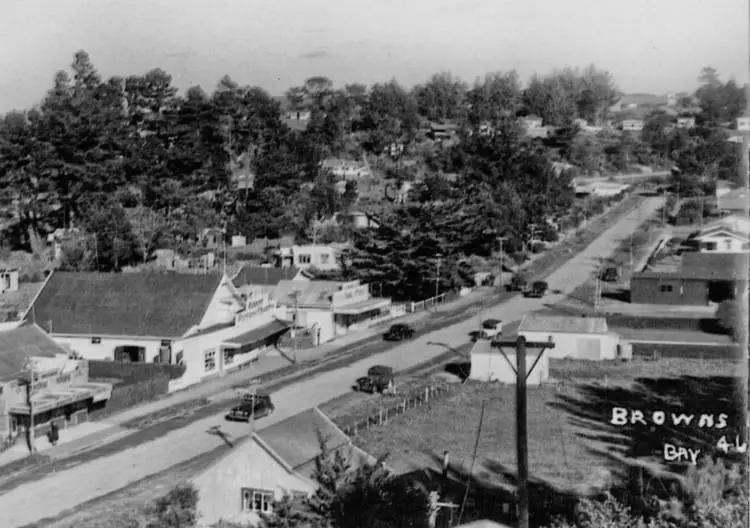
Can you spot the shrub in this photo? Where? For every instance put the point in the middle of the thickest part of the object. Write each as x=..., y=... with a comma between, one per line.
x=134, y=372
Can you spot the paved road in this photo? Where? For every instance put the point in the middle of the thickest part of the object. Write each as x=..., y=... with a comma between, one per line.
x=56, y=493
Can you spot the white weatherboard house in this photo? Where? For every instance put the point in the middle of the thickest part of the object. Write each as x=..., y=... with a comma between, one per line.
x=490, y=362
x=730, y=234
x=260, y=469
x=574, y=337
x=200, y=321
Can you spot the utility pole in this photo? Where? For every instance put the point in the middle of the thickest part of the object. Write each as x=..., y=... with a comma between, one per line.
x=522, y=440
x=743, y=275
x=501, y=240
x=30, y=395
x=437, y=278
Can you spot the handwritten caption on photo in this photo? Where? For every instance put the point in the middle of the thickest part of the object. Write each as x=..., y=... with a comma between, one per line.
x=622, y=416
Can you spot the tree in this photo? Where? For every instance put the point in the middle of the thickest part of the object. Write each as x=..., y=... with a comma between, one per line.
x=442, y=97
x=148, y=228
x=729, y=315
x=497, y=96
x=587, y=153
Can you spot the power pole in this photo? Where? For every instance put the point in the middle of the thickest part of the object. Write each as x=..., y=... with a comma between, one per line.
x=437, y=278
x=744, y=279
x=522, y=440
x=30, y=395
x=501, y=240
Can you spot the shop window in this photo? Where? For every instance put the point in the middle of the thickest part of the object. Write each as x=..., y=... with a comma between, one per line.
x=228, y=356
x=304, y=259
x=179, y=357
x=666, y=288
x=257, y=500
x=209, y=360
x=96, y=340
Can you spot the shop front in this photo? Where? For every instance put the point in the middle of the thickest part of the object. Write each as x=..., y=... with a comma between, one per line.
x=353, y=307
x=61, y=398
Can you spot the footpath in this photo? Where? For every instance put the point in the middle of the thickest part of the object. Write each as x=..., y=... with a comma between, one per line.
x=274, y=367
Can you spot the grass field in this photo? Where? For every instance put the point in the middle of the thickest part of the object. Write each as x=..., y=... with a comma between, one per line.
x=570, y=446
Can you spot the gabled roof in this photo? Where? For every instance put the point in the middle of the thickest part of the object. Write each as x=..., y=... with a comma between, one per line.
x=162, y=305
x=311, y=293
x=561, y=324
x=263, y=276
x=713, y=266
x=296, y=440
x=20, y=343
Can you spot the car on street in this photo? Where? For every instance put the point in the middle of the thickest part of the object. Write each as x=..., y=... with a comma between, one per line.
x=251, y=407
x=399, y=332
x=538, y=289
x=379, y=378
x=610, y=274
x=517, y=283
x=491, y=328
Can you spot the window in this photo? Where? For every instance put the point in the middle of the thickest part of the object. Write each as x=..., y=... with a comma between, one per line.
x=228, y=356
x=209, y=360
x=665, y=288
x=710, y=246
x=178, y=359
x=325, y=258
x=304, y=259
x=745, y=246
x=728, y=244
x=256, y=500
x=96, y=340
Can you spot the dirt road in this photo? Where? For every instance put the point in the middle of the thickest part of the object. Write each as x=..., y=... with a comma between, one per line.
x=62, y=491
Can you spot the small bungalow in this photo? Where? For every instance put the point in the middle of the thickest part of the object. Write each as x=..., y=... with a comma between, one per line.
x=574, y=337
x=743, y=123
x=321, y=257
x=730, y=234
x=632, y=125
x=532, y=121
x=686, y=122
x=250, y=477
x=723, y=187
x=443, y=131
x=8, y=280
x=346, y=169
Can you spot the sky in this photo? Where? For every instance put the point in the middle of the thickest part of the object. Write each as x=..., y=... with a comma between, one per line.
x=654, y=46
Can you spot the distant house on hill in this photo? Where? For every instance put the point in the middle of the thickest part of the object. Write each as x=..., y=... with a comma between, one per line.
x=346, y=169
x=636, y=100
x=632, y=125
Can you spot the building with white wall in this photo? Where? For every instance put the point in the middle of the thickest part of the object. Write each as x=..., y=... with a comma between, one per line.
x=632, y=125
x=330, y=308
x=574, y=337
x=200, y=321
x=321, y=257
x=743, y=123
x=730, y=234
x=8, y=280
x=490, y=362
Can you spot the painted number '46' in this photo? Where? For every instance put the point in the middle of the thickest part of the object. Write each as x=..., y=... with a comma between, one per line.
x=738, y=446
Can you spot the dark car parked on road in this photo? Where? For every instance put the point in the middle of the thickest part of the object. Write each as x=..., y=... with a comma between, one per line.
x=379, y=379
x=399, y=332
x=244, y=411
x=610, y=274
x=537, y=290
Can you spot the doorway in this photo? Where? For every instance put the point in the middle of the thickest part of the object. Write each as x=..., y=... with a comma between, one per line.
x=130, y=354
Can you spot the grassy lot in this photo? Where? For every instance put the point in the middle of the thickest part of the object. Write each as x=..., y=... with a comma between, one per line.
x=570, y=440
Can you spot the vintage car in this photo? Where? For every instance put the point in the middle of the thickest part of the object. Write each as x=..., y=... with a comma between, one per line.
x=610, y=274
x=538, y=289
x=399, y=332
x=491, y=328
x=262, y=404
x=378, y=379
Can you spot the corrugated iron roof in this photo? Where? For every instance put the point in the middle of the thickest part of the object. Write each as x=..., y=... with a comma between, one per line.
x=562, y=324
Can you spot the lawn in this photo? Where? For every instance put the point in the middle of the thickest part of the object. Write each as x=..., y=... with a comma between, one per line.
x=571, y=445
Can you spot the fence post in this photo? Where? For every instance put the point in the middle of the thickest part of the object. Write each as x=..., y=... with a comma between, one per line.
x=380, y=415
x=355, y=429
x=426, y=394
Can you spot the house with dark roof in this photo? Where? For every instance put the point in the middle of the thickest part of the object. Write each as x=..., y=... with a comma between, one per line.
x=199, y=320
x=262, y=468
x=266, y=276
x=330, y=308
x=62, y=392
x=703, y=279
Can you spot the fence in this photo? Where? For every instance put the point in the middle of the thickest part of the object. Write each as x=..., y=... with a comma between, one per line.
x=423, y=305
x=415, y=398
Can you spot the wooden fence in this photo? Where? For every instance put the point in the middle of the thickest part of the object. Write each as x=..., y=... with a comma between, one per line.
x=414, y=399
x=432, y=301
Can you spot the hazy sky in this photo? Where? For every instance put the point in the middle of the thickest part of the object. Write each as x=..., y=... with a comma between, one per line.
x=648, y=45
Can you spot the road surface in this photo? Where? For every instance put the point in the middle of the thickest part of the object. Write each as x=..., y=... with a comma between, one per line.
x=62, y=491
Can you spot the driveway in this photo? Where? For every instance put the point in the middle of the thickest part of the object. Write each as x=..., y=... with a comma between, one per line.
x=62, y=491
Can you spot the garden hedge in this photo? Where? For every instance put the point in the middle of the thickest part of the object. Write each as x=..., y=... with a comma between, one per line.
x=126, y=396
x=698, y=351
x=131, y=373
x=709, y=325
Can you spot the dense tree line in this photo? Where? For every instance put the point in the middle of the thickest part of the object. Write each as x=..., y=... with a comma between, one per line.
x=137, y=166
